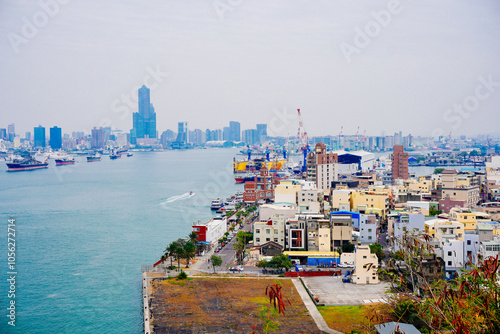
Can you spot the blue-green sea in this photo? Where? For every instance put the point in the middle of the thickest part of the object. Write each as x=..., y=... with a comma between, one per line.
x=83, y=232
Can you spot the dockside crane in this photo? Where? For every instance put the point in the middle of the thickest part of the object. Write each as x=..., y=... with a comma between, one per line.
x=304, y=140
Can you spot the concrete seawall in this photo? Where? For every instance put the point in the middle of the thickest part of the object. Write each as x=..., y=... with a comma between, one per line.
x=145, y=299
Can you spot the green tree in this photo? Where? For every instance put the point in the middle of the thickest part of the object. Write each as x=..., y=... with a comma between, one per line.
x=179, y=251
x=376, y=249
x=263, y=264
x=348, y=247
x=242, y=239
x=216, y=261
x=281, y=262
x=434, y=212
x=438, y=170
x=171, y=251
x=189, y=252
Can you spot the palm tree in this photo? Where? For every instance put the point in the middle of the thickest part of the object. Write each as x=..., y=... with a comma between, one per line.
x=189, y=252
x=170, y=251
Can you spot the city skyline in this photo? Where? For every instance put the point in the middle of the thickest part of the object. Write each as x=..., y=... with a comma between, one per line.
x=253, y=62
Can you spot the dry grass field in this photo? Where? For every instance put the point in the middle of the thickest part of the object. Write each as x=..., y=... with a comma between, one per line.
x=223, y=305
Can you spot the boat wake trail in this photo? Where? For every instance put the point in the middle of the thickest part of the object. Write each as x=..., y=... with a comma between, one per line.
x=177, y=198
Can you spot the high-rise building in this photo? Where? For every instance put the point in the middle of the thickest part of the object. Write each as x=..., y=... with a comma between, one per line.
x=3, y=134
x=182, y=133
x=234, y=131
x=11, y=131
x=322, y=167
x=97, y=140
x=55, y=140
x=399, y=163
x=28, y=136
x=39, y=133
x=261, y=133
x=250, y=136
x=226, y=133
x=144, y=125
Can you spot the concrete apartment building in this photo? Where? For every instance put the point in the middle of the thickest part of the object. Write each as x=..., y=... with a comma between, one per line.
x=310, y=200
x=287, y=191
x=399, y=163
x=321, y=167
x=368, y=229
x=340, y=199
x=271, y=230
x=363, y=201
x=366, y=265
x=261, y=188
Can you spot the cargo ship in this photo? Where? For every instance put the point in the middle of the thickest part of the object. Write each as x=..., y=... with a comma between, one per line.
x=65, y=161
x=26, y=164
x=94, y=157
x=114, y=156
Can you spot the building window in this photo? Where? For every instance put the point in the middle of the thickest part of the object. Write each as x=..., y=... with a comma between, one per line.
x=275, y=239
x=449, y=263
x=257, y=239
x=468, y=242
x=364, y=256
x=268, y=239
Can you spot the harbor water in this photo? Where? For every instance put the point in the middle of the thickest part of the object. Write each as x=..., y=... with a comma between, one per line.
x=83, y=231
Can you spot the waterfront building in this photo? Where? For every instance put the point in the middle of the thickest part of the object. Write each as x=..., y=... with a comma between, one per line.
x=234, y=131
x=211, y=231
x=182, y=133
x=144, y=121
x=261, y=188
x=55, y=140
x=97, y=141
x=399, y=163
x=39, y=132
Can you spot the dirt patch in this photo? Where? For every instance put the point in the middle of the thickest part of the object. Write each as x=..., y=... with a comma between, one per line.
x=222, y=305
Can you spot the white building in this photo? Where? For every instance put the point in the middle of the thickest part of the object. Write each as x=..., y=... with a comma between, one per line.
x=367, y=229
x=211, y=231
x=266, y=211
x=271, y=230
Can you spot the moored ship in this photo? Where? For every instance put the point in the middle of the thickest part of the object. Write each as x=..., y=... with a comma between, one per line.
x=114, y=156
x=26, y=164
x=65, y=161
x=94, y=157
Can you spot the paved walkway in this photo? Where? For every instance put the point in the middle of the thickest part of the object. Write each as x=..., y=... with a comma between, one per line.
x=311, y=307
x=331, y=291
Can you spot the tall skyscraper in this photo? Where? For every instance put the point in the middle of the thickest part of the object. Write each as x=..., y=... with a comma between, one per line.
x=182, y=133
x=399, y=163
x=97, y=141
x=39, y=136
x=226, y=133
x=11, y=131
x=261, y=133
x=145, y=120
x=28, y=136
x=3, y=134
x=234, y=131
x=55, y=140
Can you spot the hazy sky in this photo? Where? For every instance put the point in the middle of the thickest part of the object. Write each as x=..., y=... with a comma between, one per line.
x=421, y=67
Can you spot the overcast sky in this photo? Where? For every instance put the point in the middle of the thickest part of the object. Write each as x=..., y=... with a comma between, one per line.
x=381, y=65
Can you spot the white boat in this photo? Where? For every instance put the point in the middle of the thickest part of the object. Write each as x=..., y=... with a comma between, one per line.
x=216, y=204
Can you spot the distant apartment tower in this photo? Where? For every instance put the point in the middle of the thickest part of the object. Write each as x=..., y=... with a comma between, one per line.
x=55, y=140
x=97, y=140
x=11, y=131
x=321, y=167
x=182, y=133
x=144, y=120
x=250, y=137
x=234, y=131
x=3, y=134
x=399, y=163
x=261, y=133
x=39, y=133
x=226, y=133
x=28, y=136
